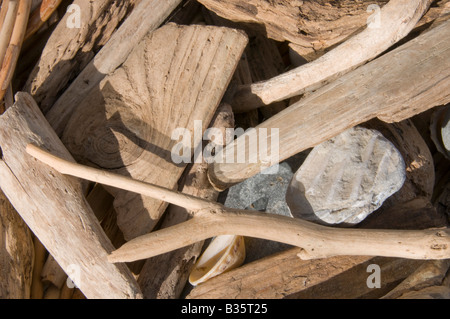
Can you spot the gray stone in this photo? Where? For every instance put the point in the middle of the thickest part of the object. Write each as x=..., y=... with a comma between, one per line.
x=346, y=178
x=265, y=192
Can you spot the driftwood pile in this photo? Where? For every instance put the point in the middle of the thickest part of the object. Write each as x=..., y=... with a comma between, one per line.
x=97, y=95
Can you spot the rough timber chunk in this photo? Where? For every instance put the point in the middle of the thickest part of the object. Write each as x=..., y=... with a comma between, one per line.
x=70, y=48
x=346, y=178
x=312, y=25
x=54, y=207
x=177, y=75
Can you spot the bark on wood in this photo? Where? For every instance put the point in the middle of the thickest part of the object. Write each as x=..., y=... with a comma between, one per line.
x=126, y=126
x=146, y=17
x=71, y=47
x=54, y=207
x=397, y=19
x=166, y=275
x=312, y=25
x=16, y=253
x=390, y=88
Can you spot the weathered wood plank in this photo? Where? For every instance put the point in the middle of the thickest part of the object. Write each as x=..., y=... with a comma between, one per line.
x=165, y=276
x=71, y=46
x=146, y=17
x=176, y=76
x=54, y=207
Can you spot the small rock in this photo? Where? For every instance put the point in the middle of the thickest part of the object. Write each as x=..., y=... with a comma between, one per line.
x=266, y=193
x=346, y=178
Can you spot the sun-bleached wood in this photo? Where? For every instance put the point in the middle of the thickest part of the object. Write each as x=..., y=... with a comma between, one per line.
x=164, y=276
x=213, y=219
x=398, y=85
x=173, y=80
x=85, y=27
x=313, y=26
x=146, y=17
x=54, y=207
x=397, y=19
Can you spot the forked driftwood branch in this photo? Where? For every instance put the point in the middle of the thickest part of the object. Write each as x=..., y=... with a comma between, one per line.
x=396, y=19
x=213, y=219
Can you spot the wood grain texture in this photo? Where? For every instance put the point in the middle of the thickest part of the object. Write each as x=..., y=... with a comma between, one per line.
x=53, y=205
x=16, y=253
x=313, y=26
x=396, y=20
x=177, y=75
x=69, y=49
x=146, y=17
x=406, y=81
x=165, y=276
x=276, y=276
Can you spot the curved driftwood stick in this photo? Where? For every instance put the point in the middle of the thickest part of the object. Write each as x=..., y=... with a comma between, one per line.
x=397, y=19
x=213, y=219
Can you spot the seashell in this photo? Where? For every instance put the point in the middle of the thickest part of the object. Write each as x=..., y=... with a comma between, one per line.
x=346, y=178
x=224, y=253
x=440, y=130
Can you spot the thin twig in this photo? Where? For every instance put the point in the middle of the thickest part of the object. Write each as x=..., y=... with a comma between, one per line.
x=213, y=219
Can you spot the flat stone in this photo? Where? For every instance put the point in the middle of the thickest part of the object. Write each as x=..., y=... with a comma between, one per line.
x=346, y=178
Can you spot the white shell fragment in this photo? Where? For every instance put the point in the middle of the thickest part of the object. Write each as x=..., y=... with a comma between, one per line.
x=224, y=253
x=440, y=130
x=346, y=178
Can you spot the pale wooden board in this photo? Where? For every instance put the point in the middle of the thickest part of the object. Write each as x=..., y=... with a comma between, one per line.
x=53, y=205
x=177, y=75
x=69, y=50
